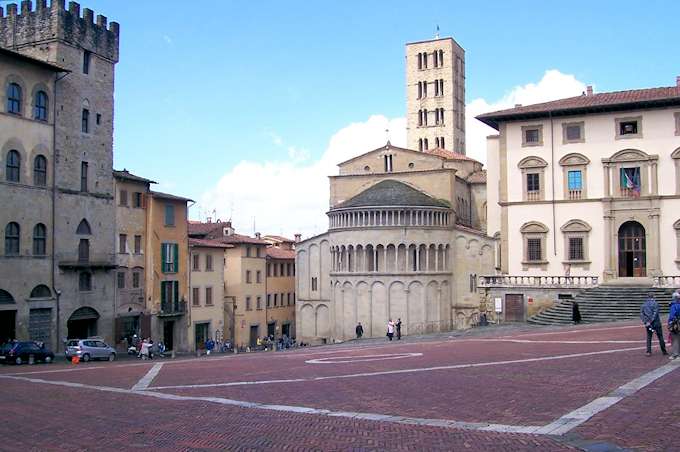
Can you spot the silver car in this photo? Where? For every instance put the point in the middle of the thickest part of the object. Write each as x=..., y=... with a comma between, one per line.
x=88, y=349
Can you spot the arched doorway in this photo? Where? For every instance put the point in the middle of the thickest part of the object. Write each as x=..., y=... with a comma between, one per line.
x=82, y=323
x=632, y=250
x=8, y=315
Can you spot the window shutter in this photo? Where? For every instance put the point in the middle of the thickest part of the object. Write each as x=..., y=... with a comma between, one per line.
x=163, y=257
x=175, y=300
x=163, y=294
x=175, y=259
x=143, y=200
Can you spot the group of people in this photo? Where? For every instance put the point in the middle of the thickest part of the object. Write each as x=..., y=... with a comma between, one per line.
x=392, y=327
x=649, y=314
x=145, y=348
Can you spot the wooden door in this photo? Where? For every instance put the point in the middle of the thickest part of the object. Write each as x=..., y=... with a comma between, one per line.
x=514, y=308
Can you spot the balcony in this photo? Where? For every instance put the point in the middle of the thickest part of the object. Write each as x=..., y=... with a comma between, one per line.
x=562, y=282
x=86, y=261
x=533, y=195
x=574, y=194
x=630, y=192
x=173, y=309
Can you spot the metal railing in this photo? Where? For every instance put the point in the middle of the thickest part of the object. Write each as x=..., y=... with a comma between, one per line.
x=538, y=281
x=173, y=308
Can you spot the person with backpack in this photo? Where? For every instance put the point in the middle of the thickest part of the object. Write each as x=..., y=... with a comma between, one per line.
x=674, y=325
x=649, y=314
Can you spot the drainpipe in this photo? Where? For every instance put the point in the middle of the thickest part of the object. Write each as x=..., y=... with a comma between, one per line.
x=552, y=174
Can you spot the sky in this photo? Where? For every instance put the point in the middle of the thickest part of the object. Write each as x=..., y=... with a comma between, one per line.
x=247, y=107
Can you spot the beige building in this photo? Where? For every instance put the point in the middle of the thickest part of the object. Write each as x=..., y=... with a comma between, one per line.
x=406, y=240
x=132, y=194
x=208, y=308
x=167, y=269
x=588, y=192
x=57, y=212
x=435, y=95
x=280, y=309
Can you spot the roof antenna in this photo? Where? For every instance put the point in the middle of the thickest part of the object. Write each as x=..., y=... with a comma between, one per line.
x=387, y=135
x=436, y=35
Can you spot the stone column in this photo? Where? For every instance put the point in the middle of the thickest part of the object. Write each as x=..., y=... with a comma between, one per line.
x=607, y=176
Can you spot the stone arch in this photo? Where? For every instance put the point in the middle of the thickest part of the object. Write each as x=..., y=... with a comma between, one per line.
x=378, y=309
x=380, y=258
x=533, y=227
x=575, y=226
x=82, y=323
x=6, y=297
x=473, y=246
x=363, y=306
x=432, y=306
x=398, y=307
x=629, y=155
x=16, y=78
x=323, y=321
x=84, y=228
x=432, y=257
x=532, y=162
x=307, y=320
x=675, y=154
x=41, y=291
x=422, y=257
x=574, y=159
x=390, y=258
x=303, y=276
x=402, y=258
x=445, y=304
x=349, y=313
x=416, y=308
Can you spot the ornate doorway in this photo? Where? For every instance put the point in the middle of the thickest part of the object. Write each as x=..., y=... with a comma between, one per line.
x=632, y=250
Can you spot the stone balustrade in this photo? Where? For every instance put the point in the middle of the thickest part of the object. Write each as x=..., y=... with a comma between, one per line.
x=666, y=281
x=538, y=281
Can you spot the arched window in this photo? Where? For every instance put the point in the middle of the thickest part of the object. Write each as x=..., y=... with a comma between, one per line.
x=41, y=291
x=12, y=232
x=40, y=171
x=14, y=99
x=13, y=173
x=420, y=144
x=39, y=240
x=40, y=108
x=84, y=228
x=6, y=297
x=425, y=144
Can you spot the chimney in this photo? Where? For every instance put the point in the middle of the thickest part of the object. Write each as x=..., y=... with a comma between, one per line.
x=298, y=238
x=677, y=81
x=228, y=230
x=208, y=220
x=589, y=90
x=258, y=235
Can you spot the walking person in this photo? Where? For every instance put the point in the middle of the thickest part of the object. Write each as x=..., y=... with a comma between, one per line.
x=649, y=314
x=359, y=330
x=674, y=325
x=390, y=329
x=398, y=325
x=575, y=313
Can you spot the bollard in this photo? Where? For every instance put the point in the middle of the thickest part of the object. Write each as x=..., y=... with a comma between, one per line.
x=75, y=359
x=31, y=359
x=198, y=353
x=173, y=355
x=235, y=350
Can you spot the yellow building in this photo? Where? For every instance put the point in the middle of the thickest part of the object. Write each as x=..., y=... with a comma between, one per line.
x=207, y=291
x=167, y=257
x=280, y=307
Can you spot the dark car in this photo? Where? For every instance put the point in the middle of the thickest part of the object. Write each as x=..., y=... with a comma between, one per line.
x=20, y=352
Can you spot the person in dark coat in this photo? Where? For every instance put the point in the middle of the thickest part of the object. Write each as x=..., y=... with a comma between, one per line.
x=359, y=330
x=649, y=314
x=673, y=316
x=575, y=312
x=398, y=325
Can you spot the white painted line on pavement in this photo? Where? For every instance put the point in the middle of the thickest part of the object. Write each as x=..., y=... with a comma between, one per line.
x=398, y=371
x=531, y=341
x=361, y=358
x=146, y=380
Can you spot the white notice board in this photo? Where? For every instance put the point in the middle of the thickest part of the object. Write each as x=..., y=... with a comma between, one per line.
x=499, y=304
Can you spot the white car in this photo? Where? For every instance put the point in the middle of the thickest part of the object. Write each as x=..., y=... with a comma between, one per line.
x=87, y=349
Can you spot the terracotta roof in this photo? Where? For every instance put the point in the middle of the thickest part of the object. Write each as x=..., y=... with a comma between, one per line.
x=201, y=229
x=125, y=174
x=279, y=238
x=278, y=253
x=29, y=59
x=161, y=195
x=241, y=239
x=601, y=102
x=478, y=177
x=391, y=193
x=449, y=155
x=209, y=243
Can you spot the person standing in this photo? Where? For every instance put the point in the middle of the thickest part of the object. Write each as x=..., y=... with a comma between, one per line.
x=649, y=314
x=359, y=330
x=398, y=325
x=575, y=313
x=390, y=329
x=674, y=325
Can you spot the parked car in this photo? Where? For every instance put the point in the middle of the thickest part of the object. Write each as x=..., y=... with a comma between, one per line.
x=20, y=353
x=87, y=349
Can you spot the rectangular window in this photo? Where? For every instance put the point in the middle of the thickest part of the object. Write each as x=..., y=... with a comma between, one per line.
x=575, y=180
x=276, y=300
x=288, y=299
x=314, y=284
x=99, y=118
x=573, y=132
x=249, y=307
x=293, y=269
x=170, y=296
x=269, y=300
x=534, y=250
x=531, y=136
x=248, y=277
x=289, y=268
x=195, y=262
x=138, y=244
x=258, y=276
x=121, y=280
x=208, y=262
x=87, y=56
x=276, y=270
x=122, y=243
x=135, y=280
x=169, y=215
x=259, y=303
x=85, y=126
x=83, y=176
x=208, y=296
x=269, y=270
x=170, y=257
x=576, y=249
x=630, y=183
x=137, y=200
x=281, y=270
x=533, y=183
x=258, y=251
x=122, y=198
x=628, y=128
x=247, y=251
x=196, y=296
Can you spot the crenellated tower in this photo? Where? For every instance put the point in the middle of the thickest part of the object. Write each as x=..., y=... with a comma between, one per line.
x=81, y=100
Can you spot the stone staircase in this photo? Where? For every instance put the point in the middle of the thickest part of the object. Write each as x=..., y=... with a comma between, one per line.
x=604, y=303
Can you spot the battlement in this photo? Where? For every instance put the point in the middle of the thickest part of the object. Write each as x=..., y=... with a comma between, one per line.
x=28, y=26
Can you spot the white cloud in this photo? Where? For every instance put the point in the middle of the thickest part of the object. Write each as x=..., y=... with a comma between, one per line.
x=167, y=39
x=286, y=197
x=554, y=85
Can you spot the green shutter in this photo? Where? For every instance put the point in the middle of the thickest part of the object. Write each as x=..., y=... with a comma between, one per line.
x=175, y=259
x=163, y=257
x=163, y=294
x=175, y=301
